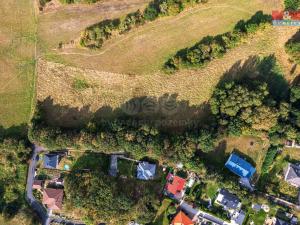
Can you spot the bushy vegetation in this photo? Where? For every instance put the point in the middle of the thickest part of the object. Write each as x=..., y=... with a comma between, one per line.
x=80, y=84
x=291, y=4
x=292, y=47
x=211, y=47
x=95, y=35
x=270, y=156
x=13, y=172
x=131, y=136
x=112, y=200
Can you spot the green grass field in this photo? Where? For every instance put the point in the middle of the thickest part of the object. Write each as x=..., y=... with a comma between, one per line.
x=145, y=49
x=17, y=63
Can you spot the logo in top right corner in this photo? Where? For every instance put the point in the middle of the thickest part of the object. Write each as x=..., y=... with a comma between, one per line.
x=286, y=18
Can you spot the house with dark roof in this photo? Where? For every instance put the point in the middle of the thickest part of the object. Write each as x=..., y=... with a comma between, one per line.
x=51, y=160
x=175, y=186
x=146, y=171
x=52, y=198
x=240, y=167
x=238, y=218
x=181, y=219
x=228, y=200
x=292, y=174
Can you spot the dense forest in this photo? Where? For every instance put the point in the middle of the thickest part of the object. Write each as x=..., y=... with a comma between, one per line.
x=95, y=35
x=212, y=47
x=112, y=200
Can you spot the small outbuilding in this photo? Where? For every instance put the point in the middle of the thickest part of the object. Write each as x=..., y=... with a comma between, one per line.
x=51, y=161
x=37, y=184
x=146, y=171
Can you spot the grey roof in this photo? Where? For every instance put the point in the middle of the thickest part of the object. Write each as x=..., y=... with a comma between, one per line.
x=51, y=161
x=256, y=207
x=292, y=174
x=229, y=200
x=240, y=218
x=113, y=166
x=145, y=171
x=281, y=222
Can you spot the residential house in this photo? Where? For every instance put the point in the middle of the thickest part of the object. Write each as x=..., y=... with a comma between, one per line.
x=175, y=186
x=292, y=174
x=37, y=184
x=240, y=167
x=238, y=218
x=51, y=160
x=52, y=198
x=229, y=201
x=292, y=144
x=146, y=171
x=181, y=219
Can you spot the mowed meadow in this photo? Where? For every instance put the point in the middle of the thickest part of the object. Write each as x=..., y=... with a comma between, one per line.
x=145, y=49
x=129, y=66
x=17, y=64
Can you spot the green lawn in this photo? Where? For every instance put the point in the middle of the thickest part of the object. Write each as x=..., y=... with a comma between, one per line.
x=256, y=217
x=161, y=217
x=273, y=182
x=127, y=168
x=17, y=64
x=92, y=161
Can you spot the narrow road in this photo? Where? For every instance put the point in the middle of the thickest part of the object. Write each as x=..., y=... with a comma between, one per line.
x=35, y=205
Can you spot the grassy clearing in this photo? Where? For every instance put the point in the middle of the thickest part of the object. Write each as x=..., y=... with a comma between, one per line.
x=256, y=217
x=127, y=168
x=161, y=217
x=17, y=63
x=252, y=148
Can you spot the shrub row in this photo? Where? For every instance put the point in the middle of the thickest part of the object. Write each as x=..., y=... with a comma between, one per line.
x=293, y=49
x=211, y=47
x=95, y=35
x=270, y=156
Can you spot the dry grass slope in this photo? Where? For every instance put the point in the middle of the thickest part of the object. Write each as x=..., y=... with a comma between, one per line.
x=17, y=41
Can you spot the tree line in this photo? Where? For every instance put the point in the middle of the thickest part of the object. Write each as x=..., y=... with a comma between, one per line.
x=211, y=47
x=292, y=47
x=95, y=35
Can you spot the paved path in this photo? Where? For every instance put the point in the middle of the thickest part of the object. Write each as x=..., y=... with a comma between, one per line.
x=35, y=205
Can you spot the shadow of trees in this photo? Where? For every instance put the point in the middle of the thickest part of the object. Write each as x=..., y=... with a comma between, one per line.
x=259, y=69
x=162, y=112
x=16, y=131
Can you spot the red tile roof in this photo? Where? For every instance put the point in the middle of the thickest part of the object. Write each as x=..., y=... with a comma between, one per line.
x=53, y=198
x=182, y=219
x=37, y=184
x=175, y=184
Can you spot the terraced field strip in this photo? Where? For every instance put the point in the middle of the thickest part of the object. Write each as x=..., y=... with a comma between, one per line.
x=17, y=62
